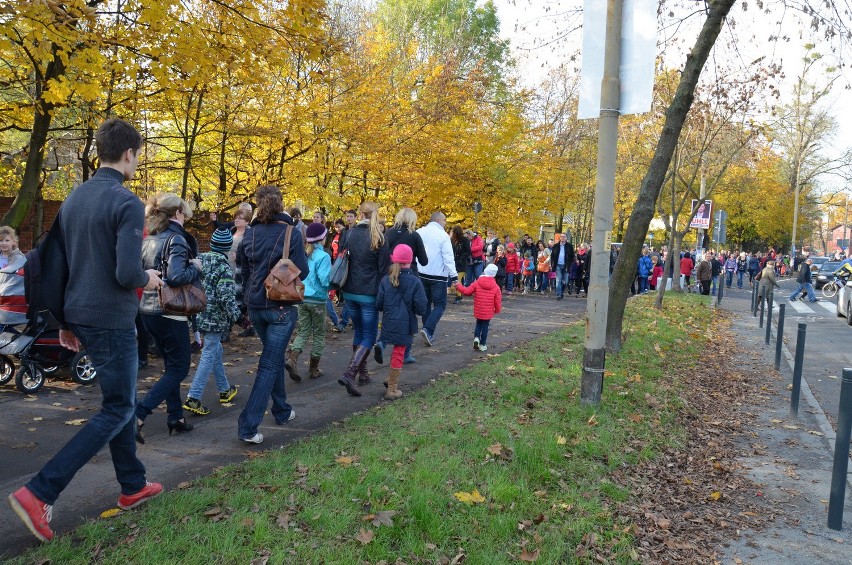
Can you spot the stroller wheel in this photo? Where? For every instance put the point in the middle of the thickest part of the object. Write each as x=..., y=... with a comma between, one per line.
x=7, y=369
x=29, y=379
x=49, y=370
x=82, y=369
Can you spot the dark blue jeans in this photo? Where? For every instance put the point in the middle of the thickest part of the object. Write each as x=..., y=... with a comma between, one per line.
x=473, y=272
x=481, y=330
x=332, y=313
x=172, y=339
x=436, y=303
x=113, y=353
x=274, y=327
x=365, y=322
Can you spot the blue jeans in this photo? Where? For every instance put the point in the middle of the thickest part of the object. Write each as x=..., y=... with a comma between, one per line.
x=481, y=330
x=643, y=285
x=436, y=303
x=713, y=282
x=274, y=327
x=541, y=281
x=332, y=314
x=561, y=279
x=740, y=278
x=365, y=322
x=113, y=353
x=209, y=362
x=810, y=289
x=510, y=282
x=729, y=278
x=172, y=339
x=473, y=272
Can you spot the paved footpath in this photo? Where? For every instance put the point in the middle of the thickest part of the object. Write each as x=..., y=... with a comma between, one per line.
x=35, y=427
x=791, y=458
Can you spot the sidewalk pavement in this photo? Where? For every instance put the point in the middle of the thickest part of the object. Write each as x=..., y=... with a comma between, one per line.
x=790, y=458
x=35, y=427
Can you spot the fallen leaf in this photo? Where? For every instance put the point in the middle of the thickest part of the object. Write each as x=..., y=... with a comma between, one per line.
x=346, y=460
x=383, y=518
x=111, y=512
x=593, y=421
x=790, y=427
x=77, y=422
x=495, y=449
x=365, y=536
x=716, y=495
x=635, y=418
x=529, y=556
x=816, y=433
x=472, y=497
x=283, y=520
x=560, y=440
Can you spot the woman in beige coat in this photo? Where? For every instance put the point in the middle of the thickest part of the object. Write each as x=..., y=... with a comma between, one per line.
x=768, y=281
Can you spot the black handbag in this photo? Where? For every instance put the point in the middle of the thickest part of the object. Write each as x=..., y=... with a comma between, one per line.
x=184, y=300
x=339, y=270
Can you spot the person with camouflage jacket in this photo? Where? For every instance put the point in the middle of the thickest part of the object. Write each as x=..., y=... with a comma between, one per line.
x=214, y=322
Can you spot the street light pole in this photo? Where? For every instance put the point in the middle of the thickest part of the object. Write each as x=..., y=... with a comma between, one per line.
x=845, y=224
x=594, y=354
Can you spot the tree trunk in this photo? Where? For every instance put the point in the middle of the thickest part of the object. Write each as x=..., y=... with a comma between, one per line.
x=643, y=210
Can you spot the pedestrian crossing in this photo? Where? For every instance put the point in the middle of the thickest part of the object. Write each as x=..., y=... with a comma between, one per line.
x=809, y=308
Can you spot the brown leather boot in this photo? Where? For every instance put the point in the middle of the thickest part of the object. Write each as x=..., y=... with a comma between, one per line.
x=393, y=391
x=347, y=379
x=292, y=365
x=314, y=372
x=363, y=373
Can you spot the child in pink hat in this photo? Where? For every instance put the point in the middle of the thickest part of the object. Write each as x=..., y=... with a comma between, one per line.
x=401, y=300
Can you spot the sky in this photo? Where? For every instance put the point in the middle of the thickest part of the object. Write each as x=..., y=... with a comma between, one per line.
x=547, y=33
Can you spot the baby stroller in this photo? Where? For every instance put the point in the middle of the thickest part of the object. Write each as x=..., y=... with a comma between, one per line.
x=38, y=349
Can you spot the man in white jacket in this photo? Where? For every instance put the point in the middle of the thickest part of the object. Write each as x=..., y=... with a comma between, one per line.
x=440, y=270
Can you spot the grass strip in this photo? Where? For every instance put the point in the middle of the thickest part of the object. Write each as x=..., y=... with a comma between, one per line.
x=498, y=463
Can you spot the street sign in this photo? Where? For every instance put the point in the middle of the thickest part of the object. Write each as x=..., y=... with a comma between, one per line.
x=701, y=220
x=477, y=207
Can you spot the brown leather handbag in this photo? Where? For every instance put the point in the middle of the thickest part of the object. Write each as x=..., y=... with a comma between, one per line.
x=283, y=283
x=184, y=300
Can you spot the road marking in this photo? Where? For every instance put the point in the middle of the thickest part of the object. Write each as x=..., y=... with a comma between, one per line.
x=800, y=307
x=830, y=306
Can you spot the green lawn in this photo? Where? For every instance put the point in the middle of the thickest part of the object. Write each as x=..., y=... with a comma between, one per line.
x=388, y=484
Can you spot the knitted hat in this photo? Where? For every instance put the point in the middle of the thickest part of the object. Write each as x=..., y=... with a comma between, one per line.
x=510, y=245
x=315, y=232
x=490, y=270
x=222, y=240
x=402, y=254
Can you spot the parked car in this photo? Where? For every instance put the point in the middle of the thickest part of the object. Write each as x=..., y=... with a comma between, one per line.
x=817, y=262
x=844, y=303
x=825, y=273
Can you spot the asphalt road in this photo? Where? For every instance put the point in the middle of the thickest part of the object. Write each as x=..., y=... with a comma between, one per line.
x=35, y=427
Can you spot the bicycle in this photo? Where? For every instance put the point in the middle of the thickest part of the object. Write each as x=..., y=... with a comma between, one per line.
x=831, y=288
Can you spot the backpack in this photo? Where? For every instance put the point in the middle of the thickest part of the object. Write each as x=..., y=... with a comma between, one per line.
x=46, y=276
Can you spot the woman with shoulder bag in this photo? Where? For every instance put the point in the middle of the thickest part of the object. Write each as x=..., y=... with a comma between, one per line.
x=273, y=320
x=368, y=263
x=168, y=243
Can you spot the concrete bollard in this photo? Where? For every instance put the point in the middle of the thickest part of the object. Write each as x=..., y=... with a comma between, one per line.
x=754, y=300
x=841, y=454
x=779, y=336
x=719, y=293
x=797, y=370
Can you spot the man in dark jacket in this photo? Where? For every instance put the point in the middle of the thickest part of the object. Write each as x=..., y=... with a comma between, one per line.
x=715, y=271
x=804, y=280
x=561, y=257
x=101, y=224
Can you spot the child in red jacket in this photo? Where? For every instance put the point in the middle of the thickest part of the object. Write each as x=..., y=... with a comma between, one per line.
x=513, y=267
x=487, y=301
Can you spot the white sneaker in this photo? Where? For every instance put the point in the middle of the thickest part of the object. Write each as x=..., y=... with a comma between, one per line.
x=290, y=417
x=483, y=348
x=256, y=438
x=476, y=343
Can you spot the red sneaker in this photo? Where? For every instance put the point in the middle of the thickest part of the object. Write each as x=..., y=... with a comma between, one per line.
x=149, y=491
x=32, y=512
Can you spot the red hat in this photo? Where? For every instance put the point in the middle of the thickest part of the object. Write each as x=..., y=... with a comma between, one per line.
x=510, y=245
x=402, y=254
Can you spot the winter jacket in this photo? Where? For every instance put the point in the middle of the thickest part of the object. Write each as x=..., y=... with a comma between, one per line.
x=487, y=298
x=461, y=254
x=222, y=309
x=501, y=265
x=513, y=263
x=261, y=250
x=686, y=266
x=731, y=265
x=13, y=303
x=439, y=249
x=753, y=263
x=715, y=267
x=804, y=276
x=742, y=265
x=366, y=266
x=657, y=273
x=179, y=271
x=704, y=271
x=477, y=247
x=554, y=254
x=767, y=281
x=397, y=235
x=317, y=282
x=400, y=306
x=645, y=266
x=585, y=259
